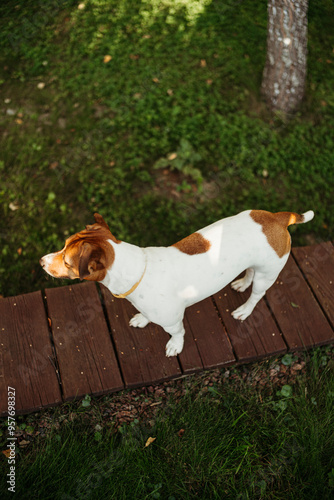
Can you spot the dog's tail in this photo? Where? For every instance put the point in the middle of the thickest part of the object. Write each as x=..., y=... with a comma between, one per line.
x=288, y=218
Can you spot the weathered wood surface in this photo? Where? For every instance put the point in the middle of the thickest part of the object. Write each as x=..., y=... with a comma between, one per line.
x=26, y=355
x=255, y=338
x=76, y=340
x=297, y=312
x=138, y=349
x=317, y=265
x=85, y=354
x=208, y=332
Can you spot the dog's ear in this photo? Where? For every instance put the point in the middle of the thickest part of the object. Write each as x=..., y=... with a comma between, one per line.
x=99, y=220
x=101, y=225
x=92, y=263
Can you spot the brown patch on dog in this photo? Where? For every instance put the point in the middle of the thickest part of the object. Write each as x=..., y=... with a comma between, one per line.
x=274, y=226
x=86, y=255
x=89, y=254
x=193, y=244
x=288, y=218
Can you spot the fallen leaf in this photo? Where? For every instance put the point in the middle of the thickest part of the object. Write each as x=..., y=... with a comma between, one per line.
x=155, y=80
x=209, y=82
x=134, y=57
x=203, y=63
x=6, y=453
x=170, y=92
x=181, y=432
x=172, y=156
x=19, y=251
x=13, y=206
x=41, y=85
x=295, y=305
x=24, y=443
x=107, y=58
x=149, y=441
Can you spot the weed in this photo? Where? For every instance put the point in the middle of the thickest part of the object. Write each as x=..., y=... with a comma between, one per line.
x=184, y=161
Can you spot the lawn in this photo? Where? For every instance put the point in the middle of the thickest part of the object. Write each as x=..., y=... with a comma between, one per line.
x=261, y=431
x=150, y=113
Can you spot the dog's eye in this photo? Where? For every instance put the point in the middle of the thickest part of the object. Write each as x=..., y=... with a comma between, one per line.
x=65, y=263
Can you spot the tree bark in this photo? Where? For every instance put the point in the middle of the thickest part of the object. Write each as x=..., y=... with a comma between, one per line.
x=284, y=75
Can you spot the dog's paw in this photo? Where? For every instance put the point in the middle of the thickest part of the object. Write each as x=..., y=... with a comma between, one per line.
x=138, y=321
x=240, y=285
x=174, y=347
x=242, y=312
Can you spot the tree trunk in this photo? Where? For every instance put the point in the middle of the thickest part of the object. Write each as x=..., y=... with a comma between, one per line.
x=284, y=75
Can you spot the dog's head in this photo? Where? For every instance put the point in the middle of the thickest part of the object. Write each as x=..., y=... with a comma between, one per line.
x=86, y=255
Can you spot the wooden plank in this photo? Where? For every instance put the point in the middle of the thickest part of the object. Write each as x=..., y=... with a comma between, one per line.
x=190, y=358
x=26, y=354
x=141, y=351
x=297, y=312
x=317, y=264
x=86, y=357
x=255, y=338
x=209, y=334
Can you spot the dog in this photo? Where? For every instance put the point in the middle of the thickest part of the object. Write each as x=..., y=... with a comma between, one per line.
x=162, y=281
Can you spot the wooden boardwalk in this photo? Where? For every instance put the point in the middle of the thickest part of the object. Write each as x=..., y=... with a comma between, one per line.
x=75, y=340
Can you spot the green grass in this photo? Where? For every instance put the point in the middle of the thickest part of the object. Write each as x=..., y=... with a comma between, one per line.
x=181, y=72
x=237, y=441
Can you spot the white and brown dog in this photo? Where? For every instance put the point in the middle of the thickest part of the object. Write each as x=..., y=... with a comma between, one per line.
x=162, y=281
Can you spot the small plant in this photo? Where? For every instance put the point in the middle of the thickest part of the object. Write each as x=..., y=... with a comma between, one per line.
x=183, y=160
x=86, y=401
x=288, y=359
x=285, y=394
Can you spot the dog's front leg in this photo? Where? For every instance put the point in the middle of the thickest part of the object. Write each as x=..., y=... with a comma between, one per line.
x=175, y=345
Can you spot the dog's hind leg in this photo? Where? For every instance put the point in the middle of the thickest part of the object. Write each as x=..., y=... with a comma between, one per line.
x=263, y=279
x=241, y=284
